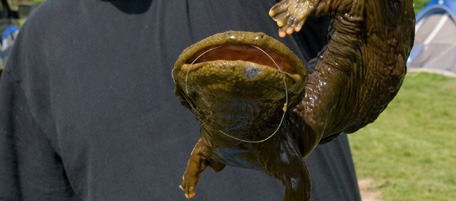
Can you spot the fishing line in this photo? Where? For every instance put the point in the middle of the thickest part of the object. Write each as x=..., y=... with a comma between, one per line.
x=286, y=95
x=284, y=108
x=188, y=69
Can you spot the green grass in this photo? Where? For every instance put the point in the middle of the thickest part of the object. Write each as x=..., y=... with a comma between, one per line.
x=418, y=4
x=410, y=151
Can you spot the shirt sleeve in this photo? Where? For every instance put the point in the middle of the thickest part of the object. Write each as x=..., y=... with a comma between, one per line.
x=30, y=167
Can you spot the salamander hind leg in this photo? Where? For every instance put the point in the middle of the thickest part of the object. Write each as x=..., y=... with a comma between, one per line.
x=290, y=15
x=292, y=171
x=298, y=185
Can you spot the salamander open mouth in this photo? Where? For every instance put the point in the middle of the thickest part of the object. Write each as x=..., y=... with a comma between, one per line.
x=247, y=49
x=243, y=52
x=239, y=66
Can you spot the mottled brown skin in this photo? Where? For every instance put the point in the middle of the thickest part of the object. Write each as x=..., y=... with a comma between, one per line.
x=356, y=76
x=248, y=104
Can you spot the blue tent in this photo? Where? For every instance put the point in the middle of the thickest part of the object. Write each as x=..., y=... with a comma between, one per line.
x=438, y=6
x=6, y=42
x=435, y=37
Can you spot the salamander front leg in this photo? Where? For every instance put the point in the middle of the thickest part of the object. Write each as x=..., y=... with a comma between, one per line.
x=196, y=164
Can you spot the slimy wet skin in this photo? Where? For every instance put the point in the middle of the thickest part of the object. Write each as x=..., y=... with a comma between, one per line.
x=240, y=85
x=239, y=77
x=257, y=106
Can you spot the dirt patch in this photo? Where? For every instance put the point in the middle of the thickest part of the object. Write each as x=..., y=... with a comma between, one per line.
x=367, y=192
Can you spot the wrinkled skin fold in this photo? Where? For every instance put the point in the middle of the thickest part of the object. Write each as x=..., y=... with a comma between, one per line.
x=257, y=106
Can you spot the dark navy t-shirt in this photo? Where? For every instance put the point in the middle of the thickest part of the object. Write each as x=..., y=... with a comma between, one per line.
x=87, y=109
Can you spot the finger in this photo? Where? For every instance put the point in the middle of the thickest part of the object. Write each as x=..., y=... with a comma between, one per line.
x=299, y=26
x=290, y=30
x=283, y=32
x=281, y=19
x=190, y=192
x=278, y=8
x=292, y=22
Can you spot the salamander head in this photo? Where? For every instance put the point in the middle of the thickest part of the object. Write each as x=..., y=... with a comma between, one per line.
x=234, y=81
